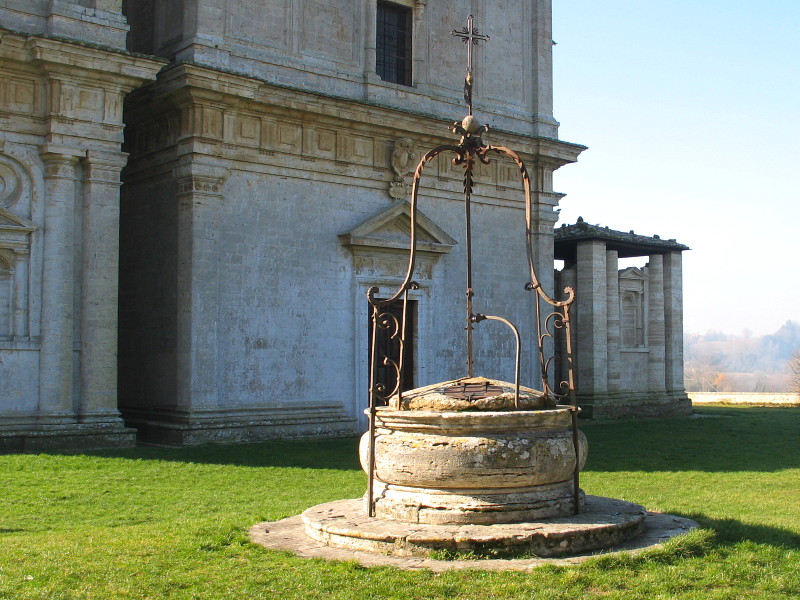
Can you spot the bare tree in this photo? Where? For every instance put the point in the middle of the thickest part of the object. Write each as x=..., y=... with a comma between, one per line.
x=794, y=366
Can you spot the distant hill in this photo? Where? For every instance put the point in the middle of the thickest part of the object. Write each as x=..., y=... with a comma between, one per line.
x=717, y=361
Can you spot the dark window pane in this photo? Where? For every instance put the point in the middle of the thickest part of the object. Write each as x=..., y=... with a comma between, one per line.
x=393, y=43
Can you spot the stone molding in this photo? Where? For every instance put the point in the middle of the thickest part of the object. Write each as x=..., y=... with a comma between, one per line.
x=71, y=93
x=372, y=233
x=197, y=178
x=237, y=118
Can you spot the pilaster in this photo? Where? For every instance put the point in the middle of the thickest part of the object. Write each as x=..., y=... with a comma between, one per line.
x=199, y=199
x=655, y=324
x=21, y=329
x=58, y=311
x=542, y=70
x=99, y=286
x=370, y=59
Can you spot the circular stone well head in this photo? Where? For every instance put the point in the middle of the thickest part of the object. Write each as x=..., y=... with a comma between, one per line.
x=471, y=394
x=473, y=465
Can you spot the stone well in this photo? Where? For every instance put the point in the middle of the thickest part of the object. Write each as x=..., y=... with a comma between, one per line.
x=493, y=478
x=473, y=467
x=470, y=466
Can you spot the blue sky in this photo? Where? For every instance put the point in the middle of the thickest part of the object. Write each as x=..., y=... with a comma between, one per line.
x=691, y=111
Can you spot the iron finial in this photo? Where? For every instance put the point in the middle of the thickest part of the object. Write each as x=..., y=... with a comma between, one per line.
x=471, y=37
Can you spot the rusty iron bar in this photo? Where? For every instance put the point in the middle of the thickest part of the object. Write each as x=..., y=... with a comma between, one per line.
x=468, y=234
x=478, y=319
x=372, y=400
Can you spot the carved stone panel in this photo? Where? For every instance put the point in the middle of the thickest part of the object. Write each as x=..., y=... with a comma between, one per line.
x=404, y=161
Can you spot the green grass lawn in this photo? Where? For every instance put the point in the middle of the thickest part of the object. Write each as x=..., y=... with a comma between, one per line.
x=168, y=524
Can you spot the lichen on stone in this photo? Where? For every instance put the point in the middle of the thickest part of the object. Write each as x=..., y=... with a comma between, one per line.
x=433, y=398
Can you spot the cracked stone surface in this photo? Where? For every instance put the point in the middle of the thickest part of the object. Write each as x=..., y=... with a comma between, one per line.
x=603, y=528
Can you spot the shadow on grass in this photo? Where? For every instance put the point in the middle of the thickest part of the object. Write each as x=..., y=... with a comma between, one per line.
x=339, y=453
x=716, y=439
x=722, y=440
x=731, y=531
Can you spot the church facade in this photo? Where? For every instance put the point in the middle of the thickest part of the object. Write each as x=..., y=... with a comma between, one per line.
x=260, y=191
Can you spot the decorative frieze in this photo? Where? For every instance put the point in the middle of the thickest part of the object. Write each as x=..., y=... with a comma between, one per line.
x=198, y=184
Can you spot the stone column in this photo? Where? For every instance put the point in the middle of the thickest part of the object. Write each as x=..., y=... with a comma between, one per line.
x=592, y=334
x=56, y=361
x=613, y=319
x=655, y=325
x=673, y=324
x=99, y=286
x=199, y=199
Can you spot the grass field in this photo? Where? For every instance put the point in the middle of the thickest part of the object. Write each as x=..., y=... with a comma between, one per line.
x=170, y=523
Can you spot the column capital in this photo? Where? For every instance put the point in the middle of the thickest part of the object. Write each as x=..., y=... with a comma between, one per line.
x=59, y=161
x=104, y=166
x=200, y=178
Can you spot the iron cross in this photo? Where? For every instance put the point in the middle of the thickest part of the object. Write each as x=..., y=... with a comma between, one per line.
x=471, y=37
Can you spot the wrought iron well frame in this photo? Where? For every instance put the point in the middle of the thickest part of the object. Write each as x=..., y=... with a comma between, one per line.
x=550, y=314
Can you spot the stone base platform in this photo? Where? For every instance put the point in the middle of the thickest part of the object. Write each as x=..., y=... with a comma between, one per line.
x=340, y=531
x=67, y=438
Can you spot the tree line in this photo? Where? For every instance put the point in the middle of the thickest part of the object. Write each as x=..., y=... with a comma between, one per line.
x=722, y=362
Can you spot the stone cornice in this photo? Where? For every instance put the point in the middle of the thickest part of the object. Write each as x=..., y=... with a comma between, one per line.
x=60, y=58
x=627, y=244
x=7, y=34
x=185, y=85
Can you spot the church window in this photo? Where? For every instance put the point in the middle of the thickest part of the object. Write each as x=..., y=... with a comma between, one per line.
x=393, y=43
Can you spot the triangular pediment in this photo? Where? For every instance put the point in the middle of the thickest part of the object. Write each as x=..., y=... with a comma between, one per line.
x=391, y=229
x=11, y=222
x=632, y=273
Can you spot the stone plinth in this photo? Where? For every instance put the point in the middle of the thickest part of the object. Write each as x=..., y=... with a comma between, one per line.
x=605, y=523
x=473, y=467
